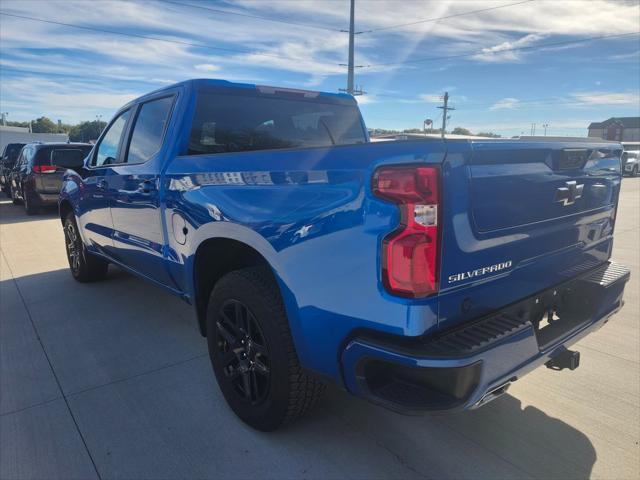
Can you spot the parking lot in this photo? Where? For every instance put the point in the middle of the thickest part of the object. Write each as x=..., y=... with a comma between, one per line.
x=112, y=380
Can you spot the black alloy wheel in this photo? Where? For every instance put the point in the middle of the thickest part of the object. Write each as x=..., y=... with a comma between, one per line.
x=73, y=244
x=243, y=352
x=84, y=266
x=252, y=352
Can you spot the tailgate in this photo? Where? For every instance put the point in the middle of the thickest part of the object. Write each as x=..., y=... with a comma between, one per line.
x=520, y=217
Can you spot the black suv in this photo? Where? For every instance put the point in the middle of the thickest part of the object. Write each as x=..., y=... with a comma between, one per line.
x=36, y=177
x=7, y=161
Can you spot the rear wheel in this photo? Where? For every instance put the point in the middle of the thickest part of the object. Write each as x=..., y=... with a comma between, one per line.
x=84, y=266
x=29, y=208
x=252, y=351
x=12, y=194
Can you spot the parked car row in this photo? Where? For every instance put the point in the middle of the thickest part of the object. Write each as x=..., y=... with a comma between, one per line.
x=31, y=174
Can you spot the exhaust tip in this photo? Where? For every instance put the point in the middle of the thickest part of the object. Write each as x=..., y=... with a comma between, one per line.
x=494, y=393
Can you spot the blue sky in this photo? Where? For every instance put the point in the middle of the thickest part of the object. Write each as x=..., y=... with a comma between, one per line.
x=75, y=74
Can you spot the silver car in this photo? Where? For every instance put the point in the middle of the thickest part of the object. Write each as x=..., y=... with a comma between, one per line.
x=630, y=159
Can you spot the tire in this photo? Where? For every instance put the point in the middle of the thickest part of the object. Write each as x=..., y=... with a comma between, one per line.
x=84, y=266
x=14, y=199
x=252, y=351
x=634, y=173
x=29, y=208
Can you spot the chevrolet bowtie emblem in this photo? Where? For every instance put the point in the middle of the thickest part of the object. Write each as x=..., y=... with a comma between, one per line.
x=569, y=194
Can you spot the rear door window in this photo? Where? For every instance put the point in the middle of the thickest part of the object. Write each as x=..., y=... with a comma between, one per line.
x=109, y=147
x=149, y=129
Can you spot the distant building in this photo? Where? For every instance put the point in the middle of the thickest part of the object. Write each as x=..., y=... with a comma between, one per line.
x=22, y=135
x=619, y=129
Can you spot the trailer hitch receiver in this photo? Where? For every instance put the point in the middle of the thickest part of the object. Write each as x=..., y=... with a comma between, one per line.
x=566, y=359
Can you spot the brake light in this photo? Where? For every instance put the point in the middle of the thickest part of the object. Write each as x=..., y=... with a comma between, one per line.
x=410, y=254
x=44, y=168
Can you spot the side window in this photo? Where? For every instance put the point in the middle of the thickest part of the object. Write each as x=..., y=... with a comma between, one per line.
x=148, y=130
x=107, y=152
x=24, y=158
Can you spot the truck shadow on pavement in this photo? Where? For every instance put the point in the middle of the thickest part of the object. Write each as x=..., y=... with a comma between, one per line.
x=137, y=379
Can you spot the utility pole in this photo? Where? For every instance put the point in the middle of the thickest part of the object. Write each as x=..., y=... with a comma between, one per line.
x=351, y=46
x=4, y=118
x=351, y=88
x=545, y=125
x=533, y=129
x=445, y=108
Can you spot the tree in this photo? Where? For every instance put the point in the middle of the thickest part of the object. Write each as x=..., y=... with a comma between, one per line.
x=43, y=125
x=85, y=131
x=489, y=134
x=461, y=131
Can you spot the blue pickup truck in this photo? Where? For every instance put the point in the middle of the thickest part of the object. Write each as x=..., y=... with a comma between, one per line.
x=421, y=275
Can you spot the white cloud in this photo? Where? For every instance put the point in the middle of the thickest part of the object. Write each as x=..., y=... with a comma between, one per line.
x=431, y=97
x=206, y=67
x=608, y=98
x=366, y=99
x=504, y=50
x=508, y=103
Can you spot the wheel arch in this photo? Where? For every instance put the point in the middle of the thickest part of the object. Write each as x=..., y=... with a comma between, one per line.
x=214, y=258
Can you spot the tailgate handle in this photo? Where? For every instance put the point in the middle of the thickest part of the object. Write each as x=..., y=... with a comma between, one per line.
x=102, y=184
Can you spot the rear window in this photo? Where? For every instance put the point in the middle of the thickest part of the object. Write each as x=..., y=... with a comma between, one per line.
x=67, y=156
x=238, y=123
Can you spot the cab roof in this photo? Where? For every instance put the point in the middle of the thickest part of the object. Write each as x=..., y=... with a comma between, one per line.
x=225, y=85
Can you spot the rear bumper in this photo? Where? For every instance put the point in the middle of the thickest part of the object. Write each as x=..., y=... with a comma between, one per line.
x=45, y=199
x=471, y=365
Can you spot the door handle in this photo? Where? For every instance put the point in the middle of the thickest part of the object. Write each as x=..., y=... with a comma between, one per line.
x=102, y=185
x=147, y=186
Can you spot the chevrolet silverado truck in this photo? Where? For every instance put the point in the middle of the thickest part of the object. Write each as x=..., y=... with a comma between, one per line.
x=422, y=276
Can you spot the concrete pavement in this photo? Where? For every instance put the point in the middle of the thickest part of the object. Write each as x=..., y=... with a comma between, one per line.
x=111, y=380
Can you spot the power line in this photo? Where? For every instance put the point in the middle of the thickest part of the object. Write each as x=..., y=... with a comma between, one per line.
x=148, y=37
x=428, y=20
x=255, y=17
x=513, y=49
x=518, y=103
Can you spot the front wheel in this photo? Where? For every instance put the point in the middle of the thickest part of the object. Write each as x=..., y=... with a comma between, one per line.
x=84, y=266
x=252, y=351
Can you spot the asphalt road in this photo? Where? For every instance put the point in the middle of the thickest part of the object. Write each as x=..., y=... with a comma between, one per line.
x=111, y=380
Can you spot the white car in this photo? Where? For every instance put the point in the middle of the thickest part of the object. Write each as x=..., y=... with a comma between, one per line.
x=630, y=160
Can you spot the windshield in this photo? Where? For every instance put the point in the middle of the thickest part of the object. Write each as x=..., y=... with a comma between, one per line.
x=236, y=123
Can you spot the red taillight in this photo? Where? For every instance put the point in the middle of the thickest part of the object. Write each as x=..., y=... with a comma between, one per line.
x=44, y=168
x=410, y=254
